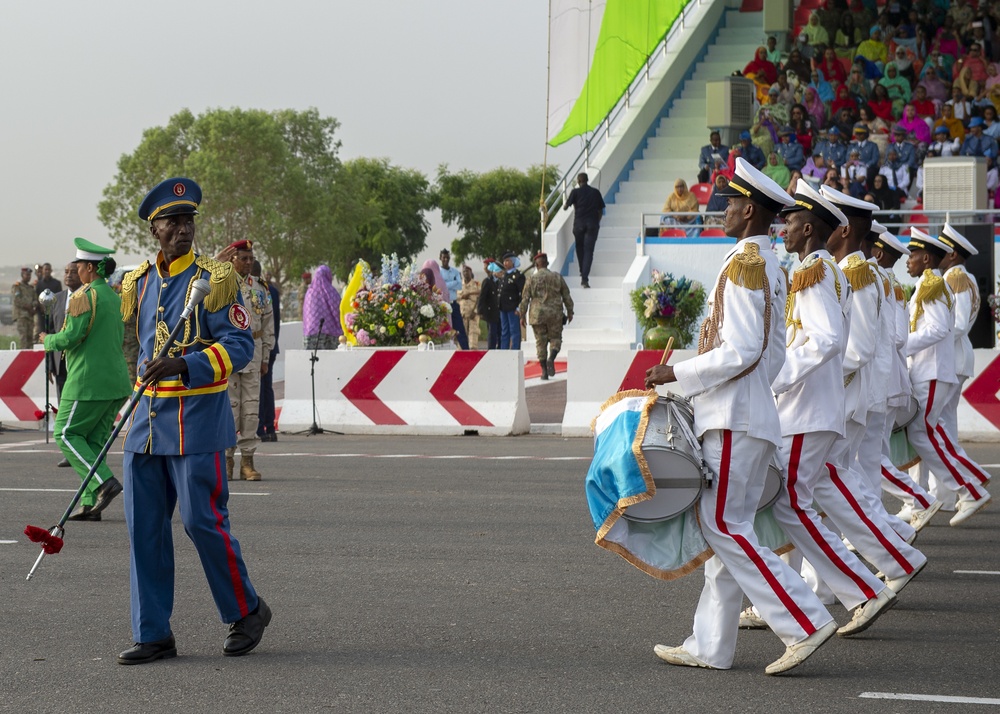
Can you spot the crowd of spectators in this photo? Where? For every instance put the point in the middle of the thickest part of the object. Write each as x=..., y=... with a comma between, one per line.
x=867, y=92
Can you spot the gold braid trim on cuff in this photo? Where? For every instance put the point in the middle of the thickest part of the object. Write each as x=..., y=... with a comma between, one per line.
x=130, y=298
x=224, y=280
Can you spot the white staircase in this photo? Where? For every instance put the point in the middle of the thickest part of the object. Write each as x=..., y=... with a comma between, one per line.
x=671, y=153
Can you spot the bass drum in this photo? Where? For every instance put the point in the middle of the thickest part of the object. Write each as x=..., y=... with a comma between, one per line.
x=674, y=459
x=906, y=415
x=772, y=484
x=901, y=452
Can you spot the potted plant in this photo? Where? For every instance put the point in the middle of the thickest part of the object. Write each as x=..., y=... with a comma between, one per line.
x=668, y=307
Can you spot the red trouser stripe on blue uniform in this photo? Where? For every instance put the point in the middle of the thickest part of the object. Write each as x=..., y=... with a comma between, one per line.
x=234, y=572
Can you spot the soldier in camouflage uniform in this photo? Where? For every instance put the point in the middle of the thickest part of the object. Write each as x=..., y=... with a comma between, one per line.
x=244, y=386
x=546, y=292
x=24, y=309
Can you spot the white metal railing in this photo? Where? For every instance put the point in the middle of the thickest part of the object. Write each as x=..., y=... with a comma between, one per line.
x=600, y=135
x=928, y=221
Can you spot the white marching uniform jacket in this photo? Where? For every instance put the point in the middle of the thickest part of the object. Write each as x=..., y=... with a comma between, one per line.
x=899, y=378
x=882, y=366
x=966, y=292
x=735, y=330
x=864, y=335
x=930, y=347
x=810, y=386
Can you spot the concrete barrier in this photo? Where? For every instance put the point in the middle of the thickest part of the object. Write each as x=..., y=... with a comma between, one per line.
x=406, y=391
x=22, y=386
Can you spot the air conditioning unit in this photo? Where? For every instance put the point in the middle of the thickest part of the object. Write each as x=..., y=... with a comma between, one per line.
x=729, y=106
x=953, y=183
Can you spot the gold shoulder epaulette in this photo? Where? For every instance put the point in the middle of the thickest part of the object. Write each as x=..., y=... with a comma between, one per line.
x=225, y=283
x=809, y=273
x=898, y=291
x=747, y=269
x=81, y=301
x=129, y=297
x=888, y=288
x=932, y=288
x=859, y=273
x=958, y=281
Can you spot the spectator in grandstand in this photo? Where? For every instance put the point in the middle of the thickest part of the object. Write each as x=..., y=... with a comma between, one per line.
x=832, y=68
x=793, y=182
x=894, y=171
x=815, y=169
x=854, y=175
x=974, y=62
x=868, y=152
x=790, y=150
x=857, y=85
x=991, y=101
x=944, y=143
x=960, y=105
x=817, y=82
x=776, y=169
x=832, y=179
x=924, y=107
x=682, y=200
x=717, y=203
x=786, y=92
x=773, y=53
x=843, y=101
x=934, y=87
x=713, y=156
x=874, y=49
x=876, y=125
x=836, y=154
x=960, y=15
x=881, y=105
x=845, y=122
x=992, y=76
x=761, y=71
x=804, y=128
x=948, y=120
x=886, y=198
x=904, y=145
x=815, y=31
x=897, y=86
x=980, y=37
x=968, y=86
x=822, y=142
x=991, y=127
x=806, y=50
x=847, y=38
x=946, y=40
x=764, y=132
x=815, y=109
x=750, y=152
x=798, y=64
x=976, y=143
x=903, y=57
x=910, y=123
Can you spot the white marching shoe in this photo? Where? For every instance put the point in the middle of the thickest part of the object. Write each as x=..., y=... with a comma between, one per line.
x=798, y=653
x=920, y=517
x=750, y=620
x=679, y=656
x=967, y=509
x=897, y=584
x=866, y=613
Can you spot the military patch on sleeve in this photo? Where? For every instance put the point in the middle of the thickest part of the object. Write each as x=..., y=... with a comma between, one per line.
x=239, y=316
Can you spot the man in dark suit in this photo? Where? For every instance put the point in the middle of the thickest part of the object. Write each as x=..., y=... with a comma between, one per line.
x=56, y=361
x=266, y=410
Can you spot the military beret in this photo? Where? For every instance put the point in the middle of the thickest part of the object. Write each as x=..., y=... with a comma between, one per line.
x=242, y=245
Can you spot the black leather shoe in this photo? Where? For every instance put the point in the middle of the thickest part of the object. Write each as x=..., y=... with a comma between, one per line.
x=272, y=436
x=84, y=513
x=64, y=463
x=106, y=494
x=247, y=633
x=143, y=652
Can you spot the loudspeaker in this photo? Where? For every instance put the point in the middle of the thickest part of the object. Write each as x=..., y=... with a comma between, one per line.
x=983, y=269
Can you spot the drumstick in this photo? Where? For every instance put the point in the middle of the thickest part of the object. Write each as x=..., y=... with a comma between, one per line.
x=667, y=351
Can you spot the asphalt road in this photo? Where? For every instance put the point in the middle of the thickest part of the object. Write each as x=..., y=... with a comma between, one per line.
x=405, y=582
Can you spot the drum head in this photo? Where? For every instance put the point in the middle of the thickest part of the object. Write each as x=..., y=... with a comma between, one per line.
x=678, y=484
x=905, y=417
x=772, y=487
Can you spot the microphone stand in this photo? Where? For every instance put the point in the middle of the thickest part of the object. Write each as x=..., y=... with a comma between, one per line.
x=313, y=359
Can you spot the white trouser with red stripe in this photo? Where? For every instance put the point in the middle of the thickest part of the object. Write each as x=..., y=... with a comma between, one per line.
x=868, y=464
x=947, y=430
x=803, y=458
x=841, y=497
x=935, y=445
x=898, y=483
x=741, y=564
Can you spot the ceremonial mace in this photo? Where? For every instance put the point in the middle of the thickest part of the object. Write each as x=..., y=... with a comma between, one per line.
x=51, y=539
x=47, y=299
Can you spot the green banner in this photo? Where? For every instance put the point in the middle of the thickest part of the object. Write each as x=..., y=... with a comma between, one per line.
x=630, y=31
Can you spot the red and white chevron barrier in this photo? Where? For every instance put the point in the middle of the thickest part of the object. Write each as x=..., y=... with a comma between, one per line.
x=387, y=391
x=22, y=385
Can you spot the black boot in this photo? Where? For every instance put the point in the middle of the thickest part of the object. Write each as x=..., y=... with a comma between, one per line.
x=545, y=369
x=552, y=363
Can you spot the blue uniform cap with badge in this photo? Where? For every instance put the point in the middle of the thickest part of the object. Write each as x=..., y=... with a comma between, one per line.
x=173, y=197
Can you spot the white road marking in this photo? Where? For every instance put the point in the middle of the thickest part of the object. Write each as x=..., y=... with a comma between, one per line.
x=427, y=456
x=73, y=490
x=929, y=698
x=7, y=542
x=977, y=572
x=990, y=466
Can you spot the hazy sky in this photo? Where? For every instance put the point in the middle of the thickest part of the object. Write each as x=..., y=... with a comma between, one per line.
x=435, y=81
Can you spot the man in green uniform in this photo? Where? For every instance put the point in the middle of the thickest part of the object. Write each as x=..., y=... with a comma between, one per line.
x=24, y=309
x=96, y=377
x=546, y=293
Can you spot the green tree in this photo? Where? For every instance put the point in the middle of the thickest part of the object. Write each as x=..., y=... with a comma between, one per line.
x=396, y=201
x=495, y=211
x=272, y=177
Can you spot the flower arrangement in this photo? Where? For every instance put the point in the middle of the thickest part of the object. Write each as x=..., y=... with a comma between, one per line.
x=396, y=308
x=677, y=302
